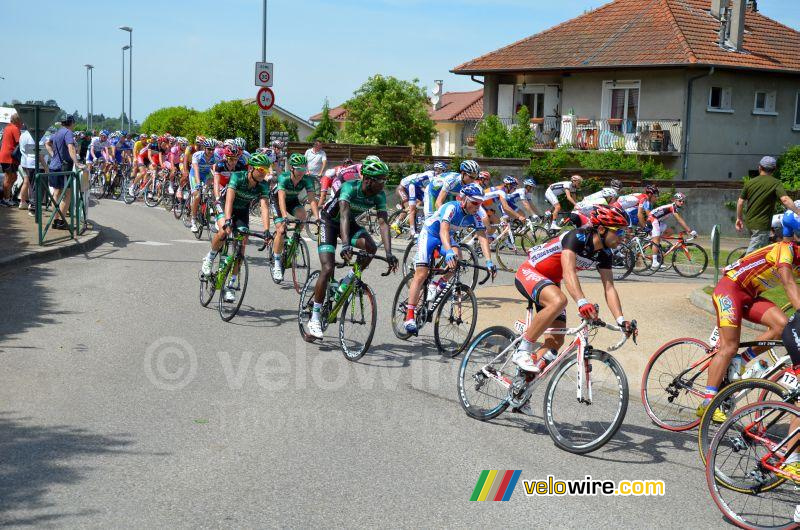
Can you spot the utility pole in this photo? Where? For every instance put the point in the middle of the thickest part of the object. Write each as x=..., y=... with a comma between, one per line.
x=262, y=135
x=89, y=68
x=130, y=74
x=122, y=116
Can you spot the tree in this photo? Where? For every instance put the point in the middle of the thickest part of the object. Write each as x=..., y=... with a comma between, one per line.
x=174, y=120
x=495, y=140
x=326, y=130
x=388, y=111
x=520, y=137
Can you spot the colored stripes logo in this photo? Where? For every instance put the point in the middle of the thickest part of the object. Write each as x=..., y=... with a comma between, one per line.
x=495, y=485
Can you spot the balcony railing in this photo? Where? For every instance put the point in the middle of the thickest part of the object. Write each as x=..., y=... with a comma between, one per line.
x=635, y=136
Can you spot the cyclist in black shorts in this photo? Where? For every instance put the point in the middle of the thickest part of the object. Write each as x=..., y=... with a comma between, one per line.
x=339, y=221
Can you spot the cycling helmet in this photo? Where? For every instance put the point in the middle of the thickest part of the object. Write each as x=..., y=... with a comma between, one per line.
x=209, y=143
x=298, y=160
x=374, y=169
x=616, y=184
x=104, y=132
x=577, y=179
x=440, y=166
x=608, y=193
x=232, y=151
x=608, y=216
x=347, y=161
x=679, y=197
x=484, y=175
x=124, y=133
x=142, y=136
x=240, y=142
x=530, y=182
x=470, y=167
x=373, y=158
x=162, y=139
x=260, y=160
x=653, y=190
x=472, y=192
x=228, y=142
x=510, y=181
x=200, y=140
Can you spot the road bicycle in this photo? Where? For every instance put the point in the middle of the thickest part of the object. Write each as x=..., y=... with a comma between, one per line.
x=674, y=380
x=403, y=230
x=510, y=245
x=354, y=306
x=585, y=400
x=689, y=260
x=745, y=473
x=296, y=255
x=151, y=188
x=207, y=210
x=468, y=254
x=229, y=274
x=642, y=252
x=452, y=308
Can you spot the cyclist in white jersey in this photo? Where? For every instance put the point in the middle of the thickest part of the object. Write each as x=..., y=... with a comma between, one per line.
x=555, y=190
x=411, y=190
x=604, y=197
x=440, y=187
x=658, y=219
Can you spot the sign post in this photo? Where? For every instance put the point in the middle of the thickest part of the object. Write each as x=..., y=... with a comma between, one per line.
x=39, y=118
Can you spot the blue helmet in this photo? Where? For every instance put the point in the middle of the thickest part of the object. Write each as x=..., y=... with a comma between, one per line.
x=470, y=166
x=473, y=192
x=440, y=166
x=530, y=182
x=511, y=181
x=104, y=132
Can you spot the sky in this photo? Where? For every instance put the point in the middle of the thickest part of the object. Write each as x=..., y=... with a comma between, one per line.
x=197, y=53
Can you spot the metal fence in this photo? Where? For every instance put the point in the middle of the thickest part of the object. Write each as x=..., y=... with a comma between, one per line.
x=660, y=136
x=77, y=207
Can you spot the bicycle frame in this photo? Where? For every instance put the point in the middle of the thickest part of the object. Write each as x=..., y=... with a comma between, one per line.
x=230, y=260
x=773, y=460
x=344, y=296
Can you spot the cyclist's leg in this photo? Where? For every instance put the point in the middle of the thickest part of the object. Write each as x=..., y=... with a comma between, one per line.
x=403, y=195
x=553, y=200
x=360, y=238
x=426, y=246
x=329, y=235
x=550, y=305
x=729, y=303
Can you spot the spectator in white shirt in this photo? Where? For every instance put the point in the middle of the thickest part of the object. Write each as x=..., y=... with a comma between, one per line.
x=27, y=147
x=317, y=159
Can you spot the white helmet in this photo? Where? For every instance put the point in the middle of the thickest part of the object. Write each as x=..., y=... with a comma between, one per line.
x=577, y=179
x=470, y=167
x=797, y=203
x=373, y=158
x=608, y=193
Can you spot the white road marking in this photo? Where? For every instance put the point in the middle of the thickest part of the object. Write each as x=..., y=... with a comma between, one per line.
x=152, y=243
x=195, y=241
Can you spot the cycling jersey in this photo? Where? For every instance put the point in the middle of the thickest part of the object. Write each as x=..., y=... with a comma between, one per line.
x=222, y=169
x=777, y=222
x=204, y=165
x=451, y=182
x=174, y=155
x=414, y=185
x=335, y=177
x=352, y=193
x=546, y=258
x=292, y=189
x=430, y=237
x=632, y=201
x=557, y=189
x=137, y=147
x=150, y=156
x=120, y=148
x=790, y=224
x=495, y=193
x=515, y=196
x=758, y=271
x=245, y=194
x=97, y=149
x=662, y=213
x=585, y=206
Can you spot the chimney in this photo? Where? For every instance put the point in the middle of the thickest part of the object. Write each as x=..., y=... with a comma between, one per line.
x=437, y=94
x=724, y=27
x=737, y=24
x=716, y=8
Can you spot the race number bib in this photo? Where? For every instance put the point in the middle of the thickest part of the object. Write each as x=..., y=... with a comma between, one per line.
x=714, y=338
x=789, y=380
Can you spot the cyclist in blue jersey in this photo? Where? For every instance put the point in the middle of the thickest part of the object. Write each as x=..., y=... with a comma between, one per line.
x=449, y=184
x=411, y=190
x=437, y=234
x=790, y=223
x=520, y=199
x=202, y=162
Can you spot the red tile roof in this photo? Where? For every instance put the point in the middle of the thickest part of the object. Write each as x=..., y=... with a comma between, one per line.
x=455, y=106
x=627, y=33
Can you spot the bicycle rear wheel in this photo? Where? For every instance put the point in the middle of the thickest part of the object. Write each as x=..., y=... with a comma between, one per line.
x=97, y=186
x=357, y=322
x=306, y=305
x=152, y=193
x=735, y=255
x=301, y=265
x=208, y=284
x=622, y=262
x=485, y=376
x=408, y=257
x=400, y=307
x=539, y=235
x=511, y=257
x=691, y=261
x=577, y=426
x=455, y=320
x=228, y=308
x=674, y=382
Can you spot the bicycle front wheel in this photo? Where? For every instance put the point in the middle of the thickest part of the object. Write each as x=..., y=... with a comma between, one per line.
x=735, y=255
x=152, y=194
x=400, y=308
x=455, y=320
x=511, y=256
x=306, y=306
x=622, y=262
x=487, y=373
x=690, y=261
x=583, y=426
x=301, y=265
x=208, y=284
x=233, y=290
x=468, y=255
x=357, y=322
x=644, y=256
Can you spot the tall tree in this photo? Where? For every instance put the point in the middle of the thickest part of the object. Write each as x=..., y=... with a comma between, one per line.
x=326, y=130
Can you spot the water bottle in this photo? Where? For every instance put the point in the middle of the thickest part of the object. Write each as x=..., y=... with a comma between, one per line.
x=550, y=356
x=345, y=282
x=756, y=370
x=736, y=368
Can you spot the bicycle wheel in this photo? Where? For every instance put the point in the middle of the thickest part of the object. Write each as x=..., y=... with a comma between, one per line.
x=643, y=259
x=301, y=265
x=228, y=308
x=306, y=305
x=485, y=376
x=674, y=383
x=733, y=397
x=691, y=261
x=622, y=262
x=357, y=322
x=97, y=186
x=152, y=194
x=127, y=197
x=735, y=255
x=400, y=307
x=759, y=498
x=539, y=235
x=117, y=185
x=455, y=320
x=471, y=275
x=211, y=219
x=177, y=208
x=581, y=427
x=511, y=257
x=208, y=284
x=199, y=222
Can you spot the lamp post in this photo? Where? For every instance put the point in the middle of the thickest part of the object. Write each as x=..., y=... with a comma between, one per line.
x=89, y=68
x=122, y=116
x=262, y=135
x=130, y=74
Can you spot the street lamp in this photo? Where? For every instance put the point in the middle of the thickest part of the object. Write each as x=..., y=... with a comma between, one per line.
x=130, y=74
x=122, y=116
x=89, y=98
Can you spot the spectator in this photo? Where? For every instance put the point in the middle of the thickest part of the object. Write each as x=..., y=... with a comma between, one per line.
x=317, y=159
x=760, y=193
x=85, y=140
x=9, y=157
x=61, y=147
x=27, y=147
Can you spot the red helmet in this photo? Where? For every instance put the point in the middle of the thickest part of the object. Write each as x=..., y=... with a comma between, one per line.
x=162, y=139
x=231, y=151
x=609, y=216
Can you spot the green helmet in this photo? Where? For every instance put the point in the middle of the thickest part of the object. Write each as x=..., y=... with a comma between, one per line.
x=259, y=160
x=374, y=168
x=298, y=160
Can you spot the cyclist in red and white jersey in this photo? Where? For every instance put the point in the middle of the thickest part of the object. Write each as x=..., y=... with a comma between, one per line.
x=539, y=280
x=659, y=217
x=555, y=190
x=638, y=205
x=335, y=176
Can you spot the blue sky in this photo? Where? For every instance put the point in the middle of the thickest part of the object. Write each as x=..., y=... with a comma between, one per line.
x=196, y=53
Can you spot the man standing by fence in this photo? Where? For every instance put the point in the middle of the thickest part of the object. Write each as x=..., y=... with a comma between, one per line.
x=317, y=160
x=761, y=193
x=61, y=147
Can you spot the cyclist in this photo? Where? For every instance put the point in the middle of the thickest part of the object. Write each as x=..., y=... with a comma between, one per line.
x=603, y=197
x=522, y=197
x=202, y=161
x=500, y=195
x=241, y=143
x=448, y=184
x=285, y=202
x=411, y=189
x=737, y=296
x=567, y=187
x=539, y=281
x=658, y=220
x=791, y=340
x=786, y=224
x=223, y=169
x=335, y=176
x=99, y=149
x=125, y=148
x=638, y=205
x=243, y=188
x=437, y=235
x=339, y=221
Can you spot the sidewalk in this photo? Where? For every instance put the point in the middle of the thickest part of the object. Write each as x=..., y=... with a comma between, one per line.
x=20, y=242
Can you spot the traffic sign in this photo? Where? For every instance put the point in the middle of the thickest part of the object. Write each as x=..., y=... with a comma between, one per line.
x=279, y=135
x=264, y=74
x=265, y=113
x=265, y=98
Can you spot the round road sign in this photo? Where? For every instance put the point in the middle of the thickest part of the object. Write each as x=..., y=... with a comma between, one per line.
x=263, y=76
x=265, y=98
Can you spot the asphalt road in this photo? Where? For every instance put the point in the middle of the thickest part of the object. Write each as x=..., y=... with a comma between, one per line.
x=125, y=403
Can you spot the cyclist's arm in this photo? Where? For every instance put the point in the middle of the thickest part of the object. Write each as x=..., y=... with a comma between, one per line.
x=612, y=297
x=230, y=195
x=344, y=221
x=484, y=242
x=312, y=199
x=383, y=224
x=570, y=271
x=196, y=169
x=509, y=210
x=570, y=198
x=282, y=204
x=530, y=207
x=642, y=215
x=264, y=213
x=442, y=197
x=790, y=285
x=216, y=184
x=444, y=235
x=681, y=222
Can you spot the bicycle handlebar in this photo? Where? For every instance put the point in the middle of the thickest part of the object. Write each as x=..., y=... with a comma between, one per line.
x=365, y=254
x=597, y=323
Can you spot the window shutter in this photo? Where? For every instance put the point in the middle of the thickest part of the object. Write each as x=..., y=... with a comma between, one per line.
x=769, y=104
x=726, y=98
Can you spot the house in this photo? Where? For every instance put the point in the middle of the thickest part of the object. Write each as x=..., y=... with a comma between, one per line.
x=455, y=114
x=706, y=86
x=304, y=128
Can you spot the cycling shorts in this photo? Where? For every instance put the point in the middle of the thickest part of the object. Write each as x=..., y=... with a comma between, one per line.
x=240, y=217
x=633, y=215
x=291, y=208
x=427, y=245
x=551, y=197
x=195, y=183
x=732, y=304
x=530, y=283
x=659, y=227
x=91, y=156
x=329, y=234
x=402, y=193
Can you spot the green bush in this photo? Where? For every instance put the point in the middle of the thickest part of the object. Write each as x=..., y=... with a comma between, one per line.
x=495, y=140
x=546, y=169
x=398, y=171
x=789, y=168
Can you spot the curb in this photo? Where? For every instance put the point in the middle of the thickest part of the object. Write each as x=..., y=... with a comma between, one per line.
x=85, y=243
x=702, y=300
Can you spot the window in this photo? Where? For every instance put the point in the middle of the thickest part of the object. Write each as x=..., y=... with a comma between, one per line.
x=797, y=112
x=719, y=99
x=621, y=102
x=764, y=102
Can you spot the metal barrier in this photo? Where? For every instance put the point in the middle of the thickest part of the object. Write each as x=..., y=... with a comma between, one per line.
x=77, y=208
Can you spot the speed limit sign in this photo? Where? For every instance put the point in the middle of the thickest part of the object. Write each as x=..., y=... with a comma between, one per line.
x=265, y=98
x=264, y=74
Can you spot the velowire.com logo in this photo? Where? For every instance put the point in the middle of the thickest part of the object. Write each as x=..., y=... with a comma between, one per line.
x=495, y=485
